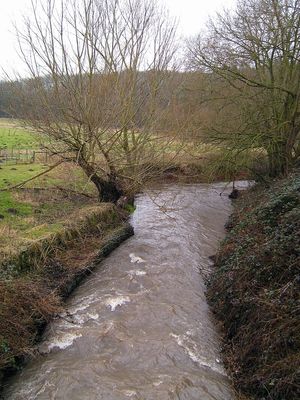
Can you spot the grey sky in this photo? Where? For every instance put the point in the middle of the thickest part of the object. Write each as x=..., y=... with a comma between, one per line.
x=192, y=15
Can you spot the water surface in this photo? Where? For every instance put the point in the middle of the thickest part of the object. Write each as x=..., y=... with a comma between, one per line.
x=139, y=327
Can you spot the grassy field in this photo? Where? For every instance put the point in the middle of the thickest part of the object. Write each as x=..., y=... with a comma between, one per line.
x=41, y=206
x=31, y=213
x=12, y=136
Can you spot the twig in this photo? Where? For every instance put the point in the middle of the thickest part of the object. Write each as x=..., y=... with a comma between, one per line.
x=31, y=179
x=62, y=189
x=90, y=196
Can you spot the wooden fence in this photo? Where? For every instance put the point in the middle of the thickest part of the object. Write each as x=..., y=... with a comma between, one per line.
x=17, y=156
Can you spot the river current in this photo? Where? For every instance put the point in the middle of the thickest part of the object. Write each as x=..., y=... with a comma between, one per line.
x=139, y=327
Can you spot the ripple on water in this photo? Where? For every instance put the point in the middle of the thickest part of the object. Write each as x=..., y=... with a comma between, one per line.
x=191, y=348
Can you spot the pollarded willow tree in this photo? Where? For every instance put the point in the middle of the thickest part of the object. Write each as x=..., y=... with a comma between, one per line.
x=96, y=72
x=254, y=54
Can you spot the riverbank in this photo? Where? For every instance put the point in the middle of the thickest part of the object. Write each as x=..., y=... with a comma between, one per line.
x=254, y=291
x=35, y=281
x=139, y=326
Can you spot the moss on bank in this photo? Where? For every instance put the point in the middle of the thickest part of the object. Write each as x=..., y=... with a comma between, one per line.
x=34, y=282
x=254, y=291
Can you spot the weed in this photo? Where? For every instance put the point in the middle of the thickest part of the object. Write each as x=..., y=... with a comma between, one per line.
x=254, y=291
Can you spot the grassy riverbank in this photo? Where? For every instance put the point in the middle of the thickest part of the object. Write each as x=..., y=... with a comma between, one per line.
x=34, y=282
x=40, y=207
x=51, y=230
x=254, y=291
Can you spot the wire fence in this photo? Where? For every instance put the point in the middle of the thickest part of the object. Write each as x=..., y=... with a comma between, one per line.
x=25, y=156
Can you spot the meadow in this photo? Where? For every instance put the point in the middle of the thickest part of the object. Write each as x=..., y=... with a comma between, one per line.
x=40, y=207
x=12, y=136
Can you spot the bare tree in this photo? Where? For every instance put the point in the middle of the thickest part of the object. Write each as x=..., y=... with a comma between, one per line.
x=255, y=52
x=96, y=71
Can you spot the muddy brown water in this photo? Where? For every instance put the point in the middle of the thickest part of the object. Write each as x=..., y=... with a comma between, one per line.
x=139, y=327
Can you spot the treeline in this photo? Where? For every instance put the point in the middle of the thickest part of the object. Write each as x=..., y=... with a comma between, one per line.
x=5, y=99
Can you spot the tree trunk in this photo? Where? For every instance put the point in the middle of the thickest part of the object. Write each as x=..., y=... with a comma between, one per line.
x=108, y=190
x=279, y=161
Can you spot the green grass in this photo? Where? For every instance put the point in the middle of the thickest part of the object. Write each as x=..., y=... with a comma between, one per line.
x=17, y=138
x=30, y=215
x=11, y=175
x=41, y=231
x=7, y=202
x=16, y=142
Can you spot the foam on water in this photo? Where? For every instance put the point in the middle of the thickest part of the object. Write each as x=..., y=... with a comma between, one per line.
x=130, y=393
x=190, y=348
x=62, y=342
x=81, y=319
x=137, y=273
x=158, y=383
x=85, y=302
x=118, y=301
x=135, y=259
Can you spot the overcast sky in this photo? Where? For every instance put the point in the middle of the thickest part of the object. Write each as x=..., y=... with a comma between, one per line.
x=192, y=15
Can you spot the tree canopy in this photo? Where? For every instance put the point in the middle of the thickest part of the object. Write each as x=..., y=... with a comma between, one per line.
x=255, y=51
x=97, y=69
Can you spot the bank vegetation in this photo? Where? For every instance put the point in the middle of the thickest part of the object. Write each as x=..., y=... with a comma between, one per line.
x=254, y=291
